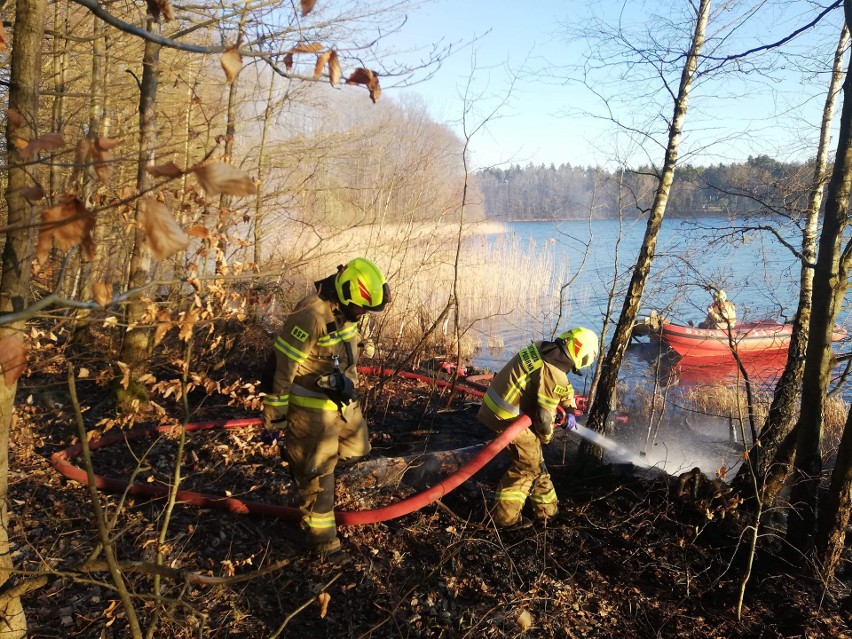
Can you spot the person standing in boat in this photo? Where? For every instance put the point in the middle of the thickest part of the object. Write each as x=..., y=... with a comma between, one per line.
x=721, y=314
x=534, y=382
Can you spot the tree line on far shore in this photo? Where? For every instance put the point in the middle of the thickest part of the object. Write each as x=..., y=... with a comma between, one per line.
x=541, y=192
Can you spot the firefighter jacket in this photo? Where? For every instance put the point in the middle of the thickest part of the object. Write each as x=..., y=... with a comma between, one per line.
x=531, y=384
x=720, y=315
x=314, y=335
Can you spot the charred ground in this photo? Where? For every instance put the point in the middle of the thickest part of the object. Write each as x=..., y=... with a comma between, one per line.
x=627, y=556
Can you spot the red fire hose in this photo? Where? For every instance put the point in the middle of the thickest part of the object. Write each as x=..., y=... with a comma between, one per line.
x=60, y=461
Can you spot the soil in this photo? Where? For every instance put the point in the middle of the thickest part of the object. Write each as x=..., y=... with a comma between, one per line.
x=630, y=554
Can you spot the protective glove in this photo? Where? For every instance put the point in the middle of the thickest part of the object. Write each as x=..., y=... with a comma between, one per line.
x=545, y=438
x=368, y=349
x=570, y=421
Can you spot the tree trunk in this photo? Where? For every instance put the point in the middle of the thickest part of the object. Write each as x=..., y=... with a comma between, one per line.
x=17, y=261
x=830, y=284
x=137, y=341
x=589, y=453
x=785, y=402
x=835, y=510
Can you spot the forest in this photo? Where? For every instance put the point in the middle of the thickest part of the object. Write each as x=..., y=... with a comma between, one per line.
x=178, y=177
x=574, y=192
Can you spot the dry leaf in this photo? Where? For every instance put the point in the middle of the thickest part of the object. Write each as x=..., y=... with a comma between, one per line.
x=198, y=231
x=3, y=32
x=13, y=357
x=360, y=76
x=320, y=65
x=161, y=7
x=15, y=119
x=125, y=374
x=20, y=143
x=334, y=70
x=307, y=6
x=32, y=194
x=323, y=598
x=84, y=373
x=102, y=292
x=232, y=63
x=308, y=47
x=219, y=177
x=186, y=324
x=102, y=162
x=164, y=235
x=169, y=169
x=161, y=330
x=105, y=144
x=47, y=142
x=525, y=621
x=67, y=224
x=288, y=61
x=375, y=89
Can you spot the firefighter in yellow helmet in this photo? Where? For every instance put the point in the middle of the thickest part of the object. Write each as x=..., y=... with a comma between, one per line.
x=310, y=404
x=534, y=382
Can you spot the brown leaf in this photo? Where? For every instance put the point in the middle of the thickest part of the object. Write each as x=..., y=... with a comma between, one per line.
x=20, y=143
x=320, y=65
x=164, y=323
x=67, y=224
x=334, y=70
x=102, y=164
x=47, y=142
x=323, y=599
x=219, y=177
x=16, y=120
x=288, y=61
x=524, y=620
x=160, y=7
x=232, y=63
x=3, y=34
x=187, y=323
x=360, y=76
x=105, y=144
x=13, y=357
x=307, y=47
x=32, y=194
x=169, y=169
x=307, y=6
x=198, y=231
x=375, y=89
x=102, y=292
x=164, y=235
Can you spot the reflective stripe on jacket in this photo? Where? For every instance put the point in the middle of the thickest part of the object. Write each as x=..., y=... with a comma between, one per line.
x=527, y=384
x=304, y=351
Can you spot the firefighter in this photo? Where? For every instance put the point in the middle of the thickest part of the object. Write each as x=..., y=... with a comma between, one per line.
x=534, y=382
x=721, y=314
x=310, y=406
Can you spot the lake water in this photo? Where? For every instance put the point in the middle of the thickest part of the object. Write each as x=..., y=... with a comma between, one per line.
x=758, y=273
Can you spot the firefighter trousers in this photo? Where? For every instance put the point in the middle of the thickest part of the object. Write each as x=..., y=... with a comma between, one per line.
x=526, y=478
x=314, y=442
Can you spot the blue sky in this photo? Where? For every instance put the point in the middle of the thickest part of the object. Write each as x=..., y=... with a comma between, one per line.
x=550, y=116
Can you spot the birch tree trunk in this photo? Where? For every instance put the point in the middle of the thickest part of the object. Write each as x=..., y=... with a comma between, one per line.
x=589, y=453
x=785, y=401
x=830, y=283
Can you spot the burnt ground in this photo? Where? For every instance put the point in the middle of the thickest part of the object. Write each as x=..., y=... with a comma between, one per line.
x=627, y=556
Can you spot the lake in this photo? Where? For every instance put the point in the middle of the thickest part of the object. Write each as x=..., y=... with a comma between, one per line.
x=694, y=256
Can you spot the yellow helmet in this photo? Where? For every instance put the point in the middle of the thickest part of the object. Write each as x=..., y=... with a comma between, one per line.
x=721, y=296
x=362, y=284
x=580, y=345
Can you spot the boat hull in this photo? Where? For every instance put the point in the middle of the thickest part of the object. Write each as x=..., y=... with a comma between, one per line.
x=749, y=338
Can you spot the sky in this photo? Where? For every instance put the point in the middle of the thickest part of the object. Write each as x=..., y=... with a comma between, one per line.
x=523, y=67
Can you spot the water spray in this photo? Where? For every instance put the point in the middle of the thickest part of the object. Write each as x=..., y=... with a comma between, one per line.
x=622, y=453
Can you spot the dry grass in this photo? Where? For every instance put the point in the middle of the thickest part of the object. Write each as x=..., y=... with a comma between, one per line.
x=501, y=281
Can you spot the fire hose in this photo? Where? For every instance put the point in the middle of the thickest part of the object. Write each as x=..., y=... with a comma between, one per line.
x=62, y=464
